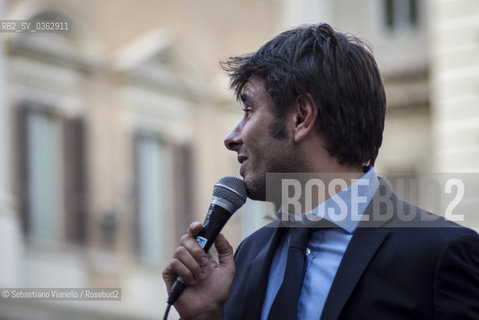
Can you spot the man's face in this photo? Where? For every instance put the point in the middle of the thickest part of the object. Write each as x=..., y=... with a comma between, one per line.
x=260, y=139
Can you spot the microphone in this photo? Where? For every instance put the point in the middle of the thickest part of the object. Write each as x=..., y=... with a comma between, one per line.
x=229, y=194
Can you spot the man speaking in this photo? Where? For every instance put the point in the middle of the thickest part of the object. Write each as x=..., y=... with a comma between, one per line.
x=314, y=103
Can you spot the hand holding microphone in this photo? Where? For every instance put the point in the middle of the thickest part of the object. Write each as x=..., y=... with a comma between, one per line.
x=209, y=281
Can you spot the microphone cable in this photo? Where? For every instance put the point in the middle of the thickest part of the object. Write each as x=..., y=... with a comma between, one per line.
x=167, y=311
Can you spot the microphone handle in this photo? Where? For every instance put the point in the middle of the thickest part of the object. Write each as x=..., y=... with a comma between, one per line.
x=215, y=221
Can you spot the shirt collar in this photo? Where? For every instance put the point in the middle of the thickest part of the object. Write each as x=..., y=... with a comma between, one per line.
x=345, y=208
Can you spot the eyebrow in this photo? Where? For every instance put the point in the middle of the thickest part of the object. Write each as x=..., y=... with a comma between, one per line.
x=246, y=99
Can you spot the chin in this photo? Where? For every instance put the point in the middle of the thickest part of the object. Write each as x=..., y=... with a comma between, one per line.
x=255, y=188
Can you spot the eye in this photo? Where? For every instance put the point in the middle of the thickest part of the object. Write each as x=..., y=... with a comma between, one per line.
x=247, y=110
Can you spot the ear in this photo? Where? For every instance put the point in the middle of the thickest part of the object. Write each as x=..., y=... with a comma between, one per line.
x=305, y=114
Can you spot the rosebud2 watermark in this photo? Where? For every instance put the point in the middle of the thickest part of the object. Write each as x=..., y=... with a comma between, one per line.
x=61, y=294
x=311, y=197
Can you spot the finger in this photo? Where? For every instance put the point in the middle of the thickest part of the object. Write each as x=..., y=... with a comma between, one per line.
x=194, y=228
x=177, y=269
x=225, y=251
x=194, y=249
x=186, y=258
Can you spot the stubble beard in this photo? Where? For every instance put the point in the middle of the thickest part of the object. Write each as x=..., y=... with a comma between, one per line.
x=256, y=184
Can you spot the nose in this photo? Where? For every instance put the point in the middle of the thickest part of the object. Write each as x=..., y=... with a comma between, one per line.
x=233, y=140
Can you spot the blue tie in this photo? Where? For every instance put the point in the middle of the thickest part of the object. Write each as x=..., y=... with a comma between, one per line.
x=285, y=305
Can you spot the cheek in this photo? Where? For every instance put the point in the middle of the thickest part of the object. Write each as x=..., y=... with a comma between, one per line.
x=277, y=129
x=250, y=136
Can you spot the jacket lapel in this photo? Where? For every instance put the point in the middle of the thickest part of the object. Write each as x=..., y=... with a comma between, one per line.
x=258, y=277
x=366, y=240
x=359, y=253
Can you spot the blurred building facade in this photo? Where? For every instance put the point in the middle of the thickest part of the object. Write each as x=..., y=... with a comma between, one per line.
x=114, y=141
x=112, y=132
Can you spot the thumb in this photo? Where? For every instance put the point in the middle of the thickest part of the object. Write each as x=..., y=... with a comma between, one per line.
x=225, y=251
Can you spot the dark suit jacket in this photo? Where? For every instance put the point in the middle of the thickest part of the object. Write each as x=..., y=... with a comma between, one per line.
x=392, y=269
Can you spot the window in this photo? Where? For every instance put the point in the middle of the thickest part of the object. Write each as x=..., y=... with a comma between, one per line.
x=44, y=168
x=51, y=174
x=152, y=197
x=401, y=15
x=164, y=195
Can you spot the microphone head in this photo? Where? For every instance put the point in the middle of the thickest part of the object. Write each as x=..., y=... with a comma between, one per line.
x=230, y=193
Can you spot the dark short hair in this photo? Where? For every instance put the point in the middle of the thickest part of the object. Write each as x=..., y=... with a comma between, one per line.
x=340, y=74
